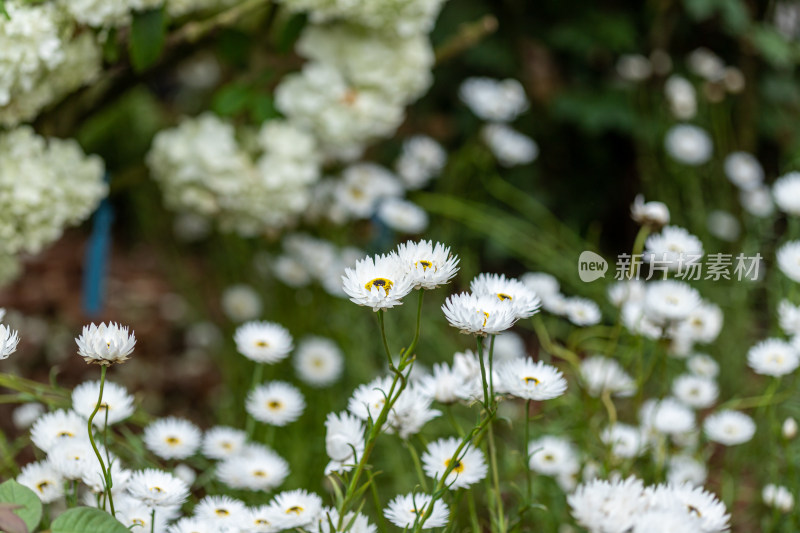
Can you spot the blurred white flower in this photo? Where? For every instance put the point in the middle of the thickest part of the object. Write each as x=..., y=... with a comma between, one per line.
x=778, y=496
x=241, y=302
x=634, y=67
x=318, y=361
x=681, y=96
x=773, y=357
x=275, y=403
x=172, y=438
x=744, y=170
x=788, y=257
x=729, y=427
x=688, y=144
x=494, y=100
x=786, y=193
x=655, y=214
x=421, y=160
x=403, y=216
x=509, y=146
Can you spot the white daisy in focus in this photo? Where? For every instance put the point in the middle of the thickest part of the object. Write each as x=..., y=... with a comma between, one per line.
x=688, y=144
x=786, y=193
x=653, y=214
x=380, y=282
x=494, y=100
x=744, y=170
x=404, y=511
x=257, y=521
x=222, y=511
x=222, y=442
x=523, y=300
x=509, y=146
x=263, y=342
x=602, y=374
x=789, y=260
x=344, y=441
x=403, y=216
x=779, y=497
x=276, y=403
x=672, y=246
x=294, y=509
x=421, y=160
x=530, y=381
x=116, y=404
x=43, y=480
x=172, y=438
x=9, y=339
x=156, y=488
x=479, y=315
x=57, y=428
x=105, y=345
x=624, y=441
x=582, y=311
x=670, y=300
x=468, y=468
x=318, y=361
x=729, y=427
x=428, y=265
x=241, y=303
x=261, y=471
x=773, y=357
x=695, y=391
x=553, y=456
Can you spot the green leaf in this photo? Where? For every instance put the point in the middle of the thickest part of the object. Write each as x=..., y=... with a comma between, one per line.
x=3, y=10
x=87, y=520
x=772, y=46
x=30, y=509
x=148, y=33
x=262, y=108
x=231, y=99
x=290, y=31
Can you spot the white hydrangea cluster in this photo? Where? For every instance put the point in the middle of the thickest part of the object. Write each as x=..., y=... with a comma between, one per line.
x=402, y=17
x=47, y=185
x=40, y=61
x=204, y=170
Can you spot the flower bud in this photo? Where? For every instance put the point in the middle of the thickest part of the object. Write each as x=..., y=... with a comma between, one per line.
x=789, y=429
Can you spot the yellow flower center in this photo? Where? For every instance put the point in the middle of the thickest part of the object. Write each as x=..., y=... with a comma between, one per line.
x=260, y=473
x=66, y=434
x=226, y=446
x=381, y=283
x=274, y=404
x=262, y=344
x=424, y=263
x=694, y=510
x=156, y=489
x=173, y=441
x=221, y=512
x=485, y=317
x=503, y=296
x=548, y=457
x=529, y=379
x=458, y=468
x=43, y=485
x=296, y=509
x=137, y=522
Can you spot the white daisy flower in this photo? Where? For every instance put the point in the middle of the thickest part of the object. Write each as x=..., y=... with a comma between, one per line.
x=601, y=374
x=138, y=516
x=789, y=260
x=276, y=403
x=757, y=202
x=116, y=404
x=744, y=170
x=667, y=416
x=42, y=479
x=222, y=511
x=789, y=428
x=653, y=214
x=368, y=399
x=582, y=311
x=380, y=282
x=723, y=225
x=681, y=96
x=704, y=508
x=443, y=384
x=410, y=412
x=622, y=292
x=156, y=488
x=294, y=509
x=624, y=441
x=404, y=511
x=637, y=322
x=93, y=477
x=789, y=317
x=508, y=346
x=703, y=324
x=545, y=286
x=105, y=345
x=779, y=497
x=258, y=521
x=74, y=459
x=495, y=100
x=703, y=365
x=470, y=465
x=344, y=441
x=688, y=144
x=729, y=427
x=222, y=442
x=9, y=339
x=263, y=342
x=241, y=302
x=172, y=438
x=358, y=523
x=403, y=216
x=318, y=361
x=602, y=505
x=670, y=300
x=773, y=357
x=552, y=456
x=786, y=192
x=191, y=525
x=56, y=428
x=685, y=469
x=695, y=391
x=421, y=160
x=362, y=187
x=479, y=315
x=530, y=381
x=509, y=146
x=185, y=473
x=523, y=300
x=673, y=247
x=428, y=265
x=265, y=471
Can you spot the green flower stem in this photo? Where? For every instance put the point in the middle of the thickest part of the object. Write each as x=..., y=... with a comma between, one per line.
x=106, y=473
x=528, y=475
x=473, y=514
x=417, y=465
x=385, y=341
x=485, y=383
x=377, y=501
x=549, y=346
x=413, y=346
x=496, y=479
x=258, y=375
x=153, y=521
